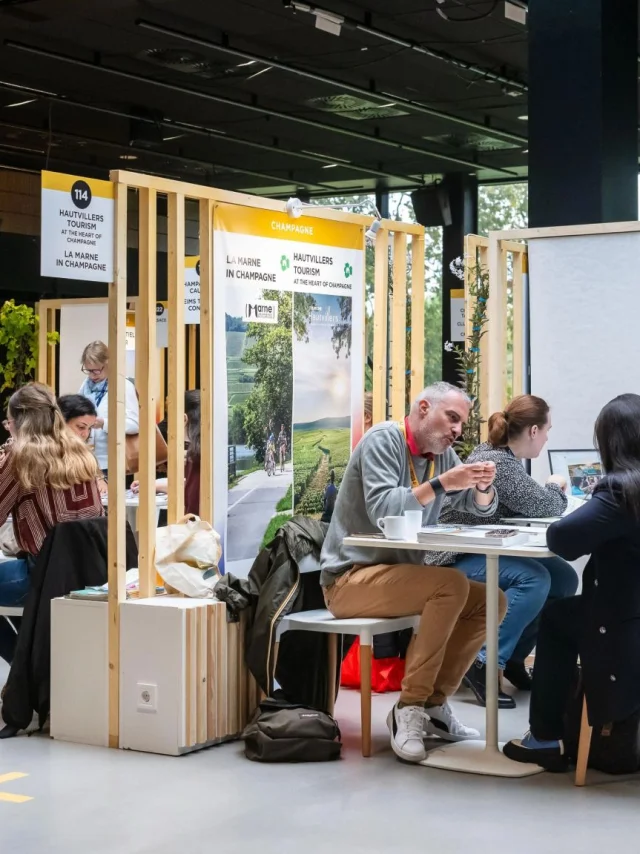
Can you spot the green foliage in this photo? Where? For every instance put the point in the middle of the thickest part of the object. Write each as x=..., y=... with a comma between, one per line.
x=286, y=503
x=19, y=345
x=273, y=527
x=237, y=435
x=315, y=454
x=270, y=352
x=468, y=355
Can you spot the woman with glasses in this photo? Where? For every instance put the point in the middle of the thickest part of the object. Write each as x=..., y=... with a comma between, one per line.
x=47, y=475
x=95, y=364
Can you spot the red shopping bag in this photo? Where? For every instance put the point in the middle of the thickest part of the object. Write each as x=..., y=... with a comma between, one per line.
x=386, y=673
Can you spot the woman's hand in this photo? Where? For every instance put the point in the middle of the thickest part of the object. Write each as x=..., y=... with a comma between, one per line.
x=98, y=424
x=103, y=489
x=559, y=480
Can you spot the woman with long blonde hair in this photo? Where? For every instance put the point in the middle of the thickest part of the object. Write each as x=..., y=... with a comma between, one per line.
x=47, y=475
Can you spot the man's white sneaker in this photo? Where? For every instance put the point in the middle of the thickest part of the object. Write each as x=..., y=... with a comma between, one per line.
x=406, y=726
x=441, y=721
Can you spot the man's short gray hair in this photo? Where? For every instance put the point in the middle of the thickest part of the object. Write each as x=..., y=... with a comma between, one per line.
x=435, y=392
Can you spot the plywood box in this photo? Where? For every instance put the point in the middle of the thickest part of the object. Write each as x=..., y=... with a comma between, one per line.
x=183, y=681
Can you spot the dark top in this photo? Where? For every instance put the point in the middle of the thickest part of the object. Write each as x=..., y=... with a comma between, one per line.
x=610, y=639
x=192, y=487
x=329, y=502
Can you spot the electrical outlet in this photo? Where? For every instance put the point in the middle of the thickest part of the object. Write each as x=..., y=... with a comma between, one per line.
x=147, y=697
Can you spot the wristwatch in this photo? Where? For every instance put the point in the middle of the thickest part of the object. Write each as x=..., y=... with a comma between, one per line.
x=436, y=485
x=485, y=491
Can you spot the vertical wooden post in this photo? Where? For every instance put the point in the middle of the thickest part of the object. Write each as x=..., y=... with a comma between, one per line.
x=191, y=359
x=206, y=359
x=518, y=323
x=485, y=346
x=399, y=327
x=51, y=353
x=43, y=348
x=380, y=322
x=146, y=368
x=117, y=464
x=417, y=315
x=176, y=378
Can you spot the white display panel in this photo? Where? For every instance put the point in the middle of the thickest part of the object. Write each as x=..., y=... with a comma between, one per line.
x=584, y=305
x=80, y=324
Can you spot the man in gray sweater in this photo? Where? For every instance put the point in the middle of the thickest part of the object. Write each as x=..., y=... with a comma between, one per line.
x=395, y=468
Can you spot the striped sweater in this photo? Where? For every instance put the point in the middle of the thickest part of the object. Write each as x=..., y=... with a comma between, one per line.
x=36, y=512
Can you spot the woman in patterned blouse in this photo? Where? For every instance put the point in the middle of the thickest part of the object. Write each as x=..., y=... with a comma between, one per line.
x=47, y=475
x=519, y=433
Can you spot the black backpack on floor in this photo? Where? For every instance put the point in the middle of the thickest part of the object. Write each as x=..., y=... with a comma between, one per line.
x=283, y=732
x=615, y=747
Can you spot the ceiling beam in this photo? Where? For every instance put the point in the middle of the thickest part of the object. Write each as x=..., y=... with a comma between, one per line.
x=146, y=152
x=416, y=106
x=209, y=133
x=252, y=107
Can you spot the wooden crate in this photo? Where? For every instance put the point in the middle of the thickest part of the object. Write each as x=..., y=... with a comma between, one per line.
x=190, y=660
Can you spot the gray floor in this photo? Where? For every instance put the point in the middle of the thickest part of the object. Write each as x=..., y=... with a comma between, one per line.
x=97, y=800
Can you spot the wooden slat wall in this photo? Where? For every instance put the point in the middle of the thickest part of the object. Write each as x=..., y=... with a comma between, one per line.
x=493, y=255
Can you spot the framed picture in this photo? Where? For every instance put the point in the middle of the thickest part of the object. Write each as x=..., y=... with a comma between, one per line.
x=581, y=469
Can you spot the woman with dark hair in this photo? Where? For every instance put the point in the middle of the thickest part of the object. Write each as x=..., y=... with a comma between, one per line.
x=518, y=433
x=192, y=462
x=79, y=413
x=601, y=626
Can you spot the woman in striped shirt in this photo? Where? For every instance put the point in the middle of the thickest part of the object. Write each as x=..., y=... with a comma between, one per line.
x=47, y=475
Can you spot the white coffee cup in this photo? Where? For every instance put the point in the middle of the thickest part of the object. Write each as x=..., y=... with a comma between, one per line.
x=414, y=521
x=393, y=527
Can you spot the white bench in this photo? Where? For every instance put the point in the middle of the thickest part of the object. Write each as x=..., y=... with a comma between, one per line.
x=10, y=611
x=366, y=628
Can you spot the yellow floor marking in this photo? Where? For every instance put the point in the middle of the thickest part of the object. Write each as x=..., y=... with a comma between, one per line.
x=9, y=796
x=14, y=799
x=13, y=775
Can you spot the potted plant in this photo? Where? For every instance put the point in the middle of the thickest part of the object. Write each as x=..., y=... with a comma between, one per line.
x=19, y=345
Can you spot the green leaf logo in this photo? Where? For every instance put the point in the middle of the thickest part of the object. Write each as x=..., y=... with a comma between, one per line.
x=348, y=270
x=284, y=263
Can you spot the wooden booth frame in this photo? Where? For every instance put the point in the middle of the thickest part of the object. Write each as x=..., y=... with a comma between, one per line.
x=507, y=263
x=149, y=187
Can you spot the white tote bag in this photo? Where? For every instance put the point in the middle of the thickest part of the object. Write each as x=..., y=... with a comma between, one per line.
x=187, y=556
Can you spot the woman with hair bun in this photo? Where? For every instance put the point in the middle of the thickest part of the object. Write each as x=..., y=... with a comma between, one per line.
x=518, y=433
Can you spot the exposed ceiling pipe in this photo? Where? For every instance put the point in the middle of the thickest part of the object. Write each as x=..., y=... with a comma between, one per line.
x=209, y=133
x=253, y=107
x=441, y=56
x=178, y=158
x=416, y=106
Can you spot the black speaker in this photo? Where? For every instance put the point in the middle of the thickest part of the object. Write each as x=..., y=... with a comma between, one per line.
x=431, y=206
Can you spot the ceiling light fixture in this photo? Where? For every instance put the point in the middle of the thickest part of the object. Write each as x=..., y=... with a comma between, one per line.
x=294, y=208
x=258, y=73
x=524, y=118
x=330, y=166
x=328, y=22
x=128, y=157
x=22, y=103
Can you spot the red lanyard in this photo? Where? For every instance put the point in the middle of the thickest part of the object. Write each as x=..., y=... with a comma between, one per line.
x=414, y=478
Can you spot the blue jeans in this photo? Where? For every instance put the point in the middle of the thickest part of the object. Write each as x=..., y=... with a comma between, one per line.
x=528, y=583
x=14, y=586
